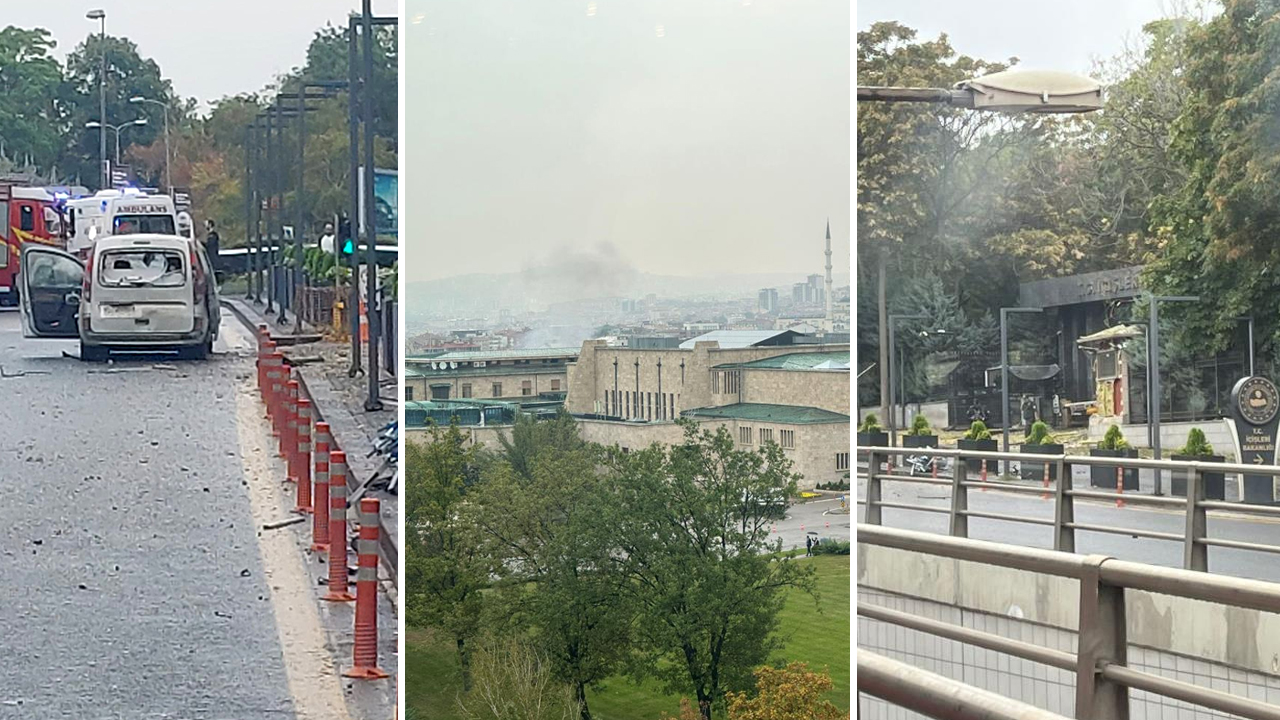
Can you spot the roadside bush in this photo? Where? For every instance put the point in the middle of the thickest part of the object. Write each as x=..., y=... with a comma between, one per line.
x=831, y=547
x=977, y=431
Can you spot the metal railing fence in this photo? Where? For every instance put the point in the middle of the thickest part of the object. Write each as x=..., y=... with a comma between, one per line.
x=1103, y=680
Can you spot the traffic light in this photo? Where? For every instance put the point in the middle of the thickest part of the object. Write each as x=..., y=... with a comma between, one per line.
x=346, y=243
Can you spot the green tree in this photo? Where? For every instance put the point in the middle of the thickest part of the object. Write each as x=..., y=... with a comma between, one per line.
x=128, y=75
x=542, y=506
x=694, y=545
x=1217, y=228
x=446, y=567
x=30, y=119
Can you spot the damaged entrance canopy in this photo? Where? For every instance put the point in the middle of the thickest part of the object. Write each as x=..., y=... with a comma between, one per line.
x=1116, y=334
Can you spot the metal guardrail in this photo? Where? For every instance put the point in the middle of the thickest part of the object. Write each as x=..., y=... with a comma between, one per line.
x=1103, y=680
x=1195, y=538
x=936, y=696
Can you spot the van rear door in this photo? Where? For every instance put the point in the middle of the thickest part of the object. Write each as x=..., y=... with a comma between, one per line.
x=142, y=288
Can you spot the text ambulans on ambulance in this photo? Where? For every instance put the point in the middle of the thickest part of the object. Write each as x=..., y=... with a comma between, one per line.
x=115, y=212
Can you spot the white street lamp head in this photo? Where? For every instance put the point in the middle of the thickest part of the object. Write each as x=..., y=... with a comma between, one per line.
x=93, y=124
x=96, y=14
x=1035, y=91
x=139, y=121
x=137, y=99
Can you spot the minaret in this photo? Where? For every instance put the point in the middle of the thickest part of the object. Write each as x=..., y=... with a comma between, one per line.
x=831, y=320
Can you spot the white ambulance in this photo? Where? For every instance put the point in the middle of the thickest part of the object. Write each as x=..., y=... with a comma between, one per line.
x=117, y=212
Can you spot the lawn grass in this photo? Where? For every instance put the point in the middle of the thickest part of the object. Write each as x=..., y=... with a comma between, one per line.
x=816, y=635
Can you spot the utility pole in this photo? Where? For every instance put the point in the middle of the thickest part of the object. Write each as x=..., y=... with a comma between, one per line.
x=353, y=123
x=373, y=402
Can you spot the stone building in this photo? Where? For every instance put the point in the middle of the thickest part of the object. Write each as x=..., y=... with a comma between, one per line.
x=762, y=386
x=487, y=375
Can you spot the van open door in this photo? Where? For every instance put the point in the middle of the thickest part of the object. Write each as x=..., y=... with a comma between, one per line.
x=49, y=288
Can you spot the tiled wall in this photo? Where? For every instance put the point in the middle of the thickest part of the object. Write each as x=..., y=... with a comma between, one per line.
x=1029, y=682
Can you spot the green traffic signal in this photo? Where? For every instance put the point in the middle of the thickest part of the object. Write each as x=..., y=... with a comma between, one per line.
x=348, y=247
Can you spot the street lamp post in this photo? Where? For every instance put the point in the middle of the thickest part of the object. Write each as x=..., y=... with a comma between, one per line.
x=1009, y=91
x=93, y=124
x=1004, y=372
x=101, y=15
x=893, y=338
x=168, y=175
x=1153, y=375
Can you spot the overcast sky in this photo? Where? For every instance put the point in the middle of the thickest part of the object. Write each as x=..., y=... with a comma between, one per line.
x=208, y=48
x=684, y=137
x=1067, y=35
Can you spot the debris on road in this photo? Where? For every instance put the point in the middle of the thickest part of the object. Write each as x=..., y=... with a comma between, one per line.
x=284, y=523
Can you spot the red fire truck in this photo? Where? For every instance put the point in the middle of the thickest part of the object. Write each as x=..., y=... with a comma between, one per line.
x=27, y=215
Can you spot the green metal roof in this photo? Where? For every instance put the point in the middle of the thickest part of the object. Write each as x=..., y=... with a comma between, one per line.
x=471, y=355
x=764, y=412
x=832, y=360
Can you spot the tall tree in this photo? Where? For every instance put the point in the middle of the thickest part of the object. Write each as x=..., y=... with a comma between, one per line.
x=30, y=119
x=542, y=504
x=128, y=75
x=446, y=567
x=1218, y=228
x=692, y=537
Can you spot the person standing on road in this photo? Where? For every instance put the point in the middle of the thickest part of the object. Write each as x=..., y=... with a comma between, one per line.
x=211, y=241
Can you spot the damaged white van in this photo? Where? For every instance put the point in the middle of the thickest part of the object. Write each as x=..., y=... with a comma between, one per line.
x=132, y=292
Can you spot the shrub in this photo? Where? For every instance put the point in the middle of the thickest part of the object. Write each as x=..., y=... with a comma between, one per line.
x=839, y=485
x=1038, y=434
x=920, y=426
x=831, y=547
x=1197, y=443
x=1113, y=440
x=978, y=431
x=870, y=424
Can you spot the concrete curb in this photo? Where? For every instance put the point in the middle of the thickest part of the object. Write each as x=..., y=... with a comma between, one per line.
x=359, y=468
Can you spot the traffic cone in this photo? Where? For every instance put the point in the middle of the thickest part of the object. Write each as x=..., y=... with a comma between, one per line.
x=303, y=457
x=320, y=523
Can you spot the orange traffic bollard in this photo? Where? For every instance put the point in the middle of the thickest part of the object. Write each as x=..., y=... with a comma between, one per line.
x=1119, y=487
x=303, y=457
x=271, y=376
x=1045, y=496
x=365, y=653
x=983, y=476
x=338, y=529
x=263, y=339
x=275, y=373
x=320, y=524
x=288, y=433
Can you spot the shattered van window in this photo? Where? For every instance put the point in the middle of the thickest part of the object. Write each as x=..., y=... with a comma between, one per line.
x=157, y=268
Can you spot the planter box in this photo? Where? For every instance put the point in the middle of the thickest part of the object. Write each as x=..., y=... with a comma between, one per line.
x=1035, y=470
x=1102, y=476
x=1214, y=483
x=875, y=439
x=919, y=441
x=974, y=465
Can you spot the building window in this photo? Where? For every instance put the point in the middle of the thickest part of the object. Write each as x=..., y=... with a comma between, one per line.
x=526, y=387
x=408, y=393
x=439, y=392
x=626, y=403
x=466, y=390
x=673, y=405
x=497, y=390
x=842, y=461
x=648, y=405
x=744, y=435
x=787, y=438
x=555, y=386
x=715, y=383
x=766, y=435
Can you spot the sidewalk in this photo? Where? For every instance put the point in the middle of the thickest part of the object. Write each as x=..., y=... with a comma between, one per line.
x=339, y=401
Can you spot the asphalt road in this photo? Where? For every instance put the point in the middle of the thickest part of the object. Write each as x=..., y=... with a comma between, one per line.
x=134, y=585
x=1229, y=561
x=823, y=516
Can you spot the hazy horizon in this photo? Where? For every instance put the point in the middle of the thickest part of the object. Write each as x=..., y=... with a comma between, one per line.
x=658, y=136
